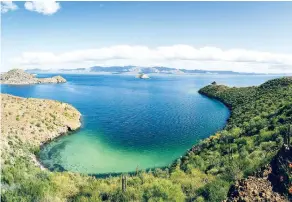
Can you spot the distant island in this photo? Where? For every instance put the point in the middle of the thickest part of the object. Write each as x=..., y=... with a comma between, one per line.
x=134, y=70
x=142, y=76
x=20, y=77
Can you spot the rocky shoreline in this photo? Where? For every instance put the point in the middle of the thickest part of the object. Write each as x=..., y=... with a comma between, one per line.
x=37, y=162
x=20, y=77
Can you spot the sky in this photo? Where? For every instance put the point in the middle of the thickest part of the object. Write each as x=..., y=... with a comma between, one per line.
x=236, y=36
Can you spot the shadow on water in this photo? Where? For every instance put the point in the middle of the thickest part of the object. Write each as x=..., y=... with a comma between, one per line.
x=55, y=150
x=50, y=151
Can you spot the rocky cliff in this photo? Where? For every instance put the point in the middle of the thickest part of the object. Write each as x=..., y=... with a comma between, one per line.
x=20, y=77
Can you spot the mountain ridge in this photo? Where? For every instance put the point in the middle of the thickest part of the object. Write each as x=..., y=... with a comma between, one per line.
x=130, y=69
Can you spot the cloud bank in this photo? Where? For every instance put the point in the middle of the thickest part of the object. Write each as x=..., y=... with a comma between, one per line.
x=46, y=7
x=8, y=6
x=178, y=56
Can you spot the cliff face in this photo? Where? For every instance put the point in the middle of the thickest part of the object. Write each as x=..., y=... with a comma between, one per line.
x=20, y=77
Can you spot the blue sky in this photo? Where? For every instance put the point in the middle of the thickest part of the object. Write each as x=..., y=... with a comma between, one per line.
x=260, y=32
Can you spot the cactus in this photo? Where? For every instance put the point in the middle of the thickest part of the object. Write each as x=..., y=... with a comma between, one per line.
x=289, y=135
x=124, y=183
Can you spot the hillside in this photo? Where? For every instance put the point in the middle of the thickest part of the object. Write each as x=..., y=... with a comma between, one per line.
x=255, y=132
x=35, y=120
x=20, y=77
x=253, y=138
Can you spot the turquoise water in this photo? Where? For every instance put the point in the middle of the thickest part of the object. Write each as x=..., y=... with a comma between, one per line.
x=128, y=122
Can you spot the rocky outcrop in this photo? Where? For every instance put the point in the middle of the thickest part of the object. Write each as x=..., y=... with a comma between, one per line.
x=20, y=77
x=268, y=184
x=254, y=189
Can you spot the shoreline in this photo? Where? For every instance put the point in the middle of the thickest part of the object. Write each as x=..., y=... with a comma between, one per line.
x=216, y=98
x=35, y=157
x=28, y=84
x=38, y=163
x=32, y=83
x=197, y=145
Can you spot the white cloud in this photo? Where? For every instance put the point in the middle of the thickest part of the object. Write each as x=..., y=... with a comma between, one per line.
x=46, y=7
x=8, y=6
x=178, y=56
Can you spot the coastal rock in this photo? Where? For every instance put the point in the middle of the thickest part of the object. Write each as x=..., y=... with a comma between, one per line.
x=20, y=77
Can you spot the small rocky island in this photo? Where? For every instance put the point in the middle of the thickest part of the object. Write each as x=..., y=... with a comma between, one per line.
x=142, y=76
x=20, y=77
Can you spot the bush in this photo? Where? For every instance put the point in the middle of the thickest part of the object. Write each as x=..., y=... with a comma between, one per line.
x=215, y=191
x=163, y=190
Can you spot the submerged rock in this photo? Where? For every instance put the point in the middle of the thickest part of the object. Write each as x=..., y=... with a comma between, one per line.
x=20, y=77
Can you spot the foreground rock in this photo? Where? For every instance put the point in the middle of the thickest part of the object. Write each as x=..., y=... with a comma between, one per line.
x=268, y=184
x=254, y=189
x=20, y=77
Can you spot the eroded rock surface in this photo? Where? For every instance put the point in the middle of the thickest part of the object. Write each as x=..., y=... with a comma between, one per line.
x=268, y=184
x=254, y=189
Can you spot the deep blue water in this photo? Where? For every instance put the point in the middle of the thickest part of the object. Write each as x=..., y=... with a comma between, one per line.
x=128, y=122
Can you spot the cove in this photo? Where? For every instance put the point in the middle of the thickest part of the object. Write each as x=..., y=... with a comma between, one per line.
x=129, y=123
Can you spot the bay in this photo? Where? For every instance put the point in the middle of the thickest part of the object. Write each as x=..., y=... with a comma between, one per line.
x=129, y=123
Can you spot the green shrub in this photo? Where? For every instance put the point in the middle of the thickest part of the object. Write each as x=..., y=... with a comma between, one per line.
x=215, y=191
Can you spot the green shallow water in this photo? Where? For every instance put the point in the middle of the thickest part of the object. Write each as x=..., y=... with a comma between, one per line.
x=87, y=154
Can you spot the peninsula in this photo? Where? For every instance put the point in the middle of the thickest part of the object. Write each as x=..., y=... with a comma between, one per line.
x=20, y=77
x=36, y=121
